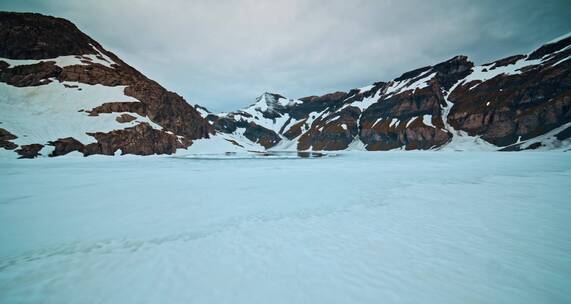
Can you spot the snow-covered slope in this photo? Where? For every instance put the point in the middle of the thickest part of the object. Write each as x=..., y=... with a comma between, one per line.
x=40, y=114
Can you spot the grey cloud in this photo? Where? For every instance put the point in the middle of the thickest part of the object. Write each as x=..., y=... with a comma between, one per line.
x=222, y=54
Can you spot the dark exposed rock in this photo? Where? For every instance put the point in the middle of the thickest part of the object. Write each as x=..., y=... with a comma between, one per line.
x=407, y=108
x=252, y=131
x=141, y=139
x=413, y=73
x=34, y=36
x=410, y=134
x=29, y=151
x=449, y=72
x=223, y=124
x=317, y=104
x=66, y=145
x=529, y=104
x=550, y=48
x=327, y=98
x=127, y=106
x=504, y=61
x=334, y=133
x=265, y=137
x=99, y=74
x=565, y=134
x=418, y=136
x=295, y=130
x=5, y=140
x=199, y=107
x=170, y=110
x=124, y=118
x=534, y=146
x=30, y=75
x=405, y=105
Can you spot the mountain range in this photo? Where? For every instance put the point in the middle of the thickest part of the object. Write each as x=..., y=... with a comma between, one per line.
x=62, y=92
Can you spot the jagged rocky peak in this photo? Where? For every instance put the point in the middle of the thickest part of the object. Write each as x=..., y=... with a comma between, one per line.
x=64, y=92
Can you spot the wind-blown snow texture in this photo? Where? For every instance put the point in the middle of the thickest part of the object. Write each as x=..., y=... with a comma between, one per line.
x=418, y=227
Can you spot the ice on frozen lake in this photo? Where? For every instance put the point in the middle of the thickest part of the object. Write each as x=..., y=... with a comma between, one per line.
x=415, y=227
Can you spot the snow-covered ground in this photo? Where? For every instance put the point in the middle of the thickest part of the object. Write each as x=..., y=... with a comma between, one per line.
x=360, y=227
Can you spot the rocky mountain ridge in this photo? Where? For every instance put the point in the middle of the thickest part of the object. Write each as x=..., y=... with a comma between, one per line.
x=515, y=103
x=62, y=92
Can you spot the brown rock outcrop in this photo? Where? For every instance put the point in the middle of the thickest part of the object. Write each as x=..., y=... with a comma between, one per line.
x=141, y=140
x=527, y=105
x=125, y=118
x=35, y=36
x=29, y=151
x=29, y=75
x=66, y=145
x=127, y=106
x=5, y=140
x=335, y=132
x=258, y=134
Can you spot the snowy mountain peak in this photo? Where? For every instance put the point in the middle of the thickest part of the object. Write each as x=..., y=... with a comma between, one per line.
x=269, y=102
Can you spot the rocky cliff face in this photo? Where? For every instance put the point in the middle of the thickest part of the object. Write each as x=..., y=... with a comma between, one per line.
x=505, y=107
x=515, y=103
x=59, y=88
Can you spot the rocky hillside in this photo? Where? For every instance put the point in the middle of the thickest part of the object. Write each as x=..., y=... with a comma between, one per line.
x=518, y=102
x=61, y=91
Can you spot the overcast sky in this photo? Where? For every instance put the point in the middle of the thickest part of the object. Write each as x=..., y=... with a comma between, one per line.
x=223, y=54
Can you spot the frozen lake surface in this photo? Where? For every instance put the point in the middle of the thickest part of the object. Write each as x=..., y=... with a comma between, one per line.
x=414, y=227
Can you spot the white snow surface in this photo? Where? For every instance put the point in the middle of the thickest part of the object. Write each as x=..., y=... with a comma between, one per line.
x=397, y=87
x=549, y=141
x=48, y=112
x=427, y=120
x=218, y=144
x=483, y=73
x=63, y=61
x=357, y=228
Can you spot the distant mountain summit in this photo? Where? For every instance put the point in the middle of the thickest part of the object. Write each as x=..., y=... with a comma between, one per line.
x=62, y=92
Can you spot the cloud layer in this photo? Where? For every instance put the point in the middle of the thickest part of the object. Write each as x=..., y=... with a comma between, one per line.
x=222, y=54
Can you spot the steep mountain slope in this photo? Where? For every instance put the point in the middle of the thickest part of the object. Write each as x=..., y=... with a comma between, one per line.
x=61, y=91
x=519, y=102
